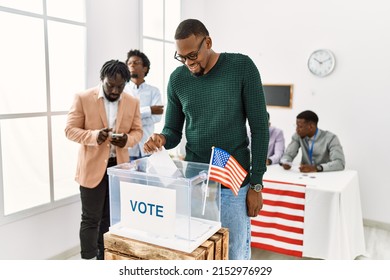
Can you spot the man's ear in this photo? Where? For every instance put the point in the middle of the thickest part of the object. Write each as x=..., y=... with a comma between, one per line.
x=209, y=42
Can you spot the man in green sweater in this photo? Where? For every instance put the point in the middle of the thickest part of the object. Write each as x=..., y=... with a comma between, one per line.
x=214, y=94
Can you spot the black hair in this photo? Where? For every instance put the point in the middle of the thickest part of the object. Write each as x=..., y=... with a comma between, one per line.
x=145, y=59
x=190, y=27
x=309, y=116
x=113, y=67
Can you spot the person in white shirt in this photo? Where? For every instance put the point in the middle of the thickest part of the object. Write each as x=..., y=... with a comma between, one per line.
x=150, y=98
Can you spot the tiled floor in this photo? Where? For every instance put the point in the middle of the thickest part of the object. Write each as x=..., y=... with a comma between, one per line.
x=377, y=246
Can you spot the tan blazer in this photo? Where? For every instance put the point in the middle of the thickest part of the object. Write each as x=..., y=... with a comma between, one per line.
x=85, y=118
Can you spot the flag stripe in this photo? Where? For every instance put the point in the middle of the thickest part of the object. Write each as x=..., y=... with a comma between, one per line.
x=237, y=167
x=285, y=193
x=284, y=204
x=221, y=175
x=226, y=170
x=278, y=244
x=226, y=183
x=287, y=183
x=281, y=215
x=232, y=176
x=279, y=238
x=225, y=180
x=272, y=230
x=277, y=209
x=295, y=253
x=279, y=227
x=235, y=170
x=288, y=199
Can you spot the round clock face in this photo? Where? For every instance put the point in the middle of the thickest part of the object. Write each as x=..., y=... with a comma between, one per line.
x=321, y=62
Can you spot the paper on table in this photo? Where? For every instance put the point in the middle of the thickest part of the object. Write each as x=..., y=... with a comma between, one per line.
x=161, y=163
x=285, y=162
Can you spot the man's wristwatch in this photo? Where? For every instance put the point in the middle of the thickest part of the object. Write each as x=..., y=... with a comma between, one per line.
x=257, y=187
x=319, y=168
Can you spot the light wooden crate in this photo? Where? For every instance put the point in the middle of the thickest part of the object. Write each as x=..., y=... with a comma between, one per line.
x=123, y=248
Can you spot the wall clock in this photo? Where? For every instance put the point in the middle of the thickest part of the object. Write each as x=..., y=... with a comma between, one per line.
x=321, y=62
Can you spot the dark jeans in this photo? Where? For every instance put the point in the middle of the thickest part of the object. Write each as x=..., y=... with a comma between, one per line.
x=95, y=218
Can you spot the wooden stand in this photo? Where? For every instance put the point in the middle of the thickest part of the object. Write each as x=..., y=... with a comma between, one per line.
x=123, y=248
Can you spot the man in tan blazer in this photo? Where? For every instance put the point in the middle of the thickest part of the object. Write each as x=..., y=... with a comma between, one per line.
x=106, y=123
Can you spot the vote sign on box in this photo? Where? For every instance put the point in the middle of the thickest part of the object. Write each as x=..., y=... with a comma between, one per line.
x=146, y=208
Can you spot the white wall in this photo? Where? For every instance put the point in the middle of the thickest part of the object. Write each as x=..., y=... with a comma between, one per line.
x=353, y=102
x=42, y=236
x=113, y=29
x=279, y=35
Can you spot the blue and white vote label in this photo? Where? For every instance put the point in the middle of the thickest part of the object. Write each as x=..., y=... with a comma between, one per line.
x=148, y=208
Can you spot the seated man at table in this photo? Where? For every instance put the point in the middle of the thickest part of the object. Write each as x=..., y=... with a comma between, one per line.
x=275, y=145
x=321, y=149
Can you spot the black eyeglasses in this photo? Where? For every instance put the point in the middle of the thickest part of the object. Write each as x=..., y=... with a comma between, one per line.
x=191, y=56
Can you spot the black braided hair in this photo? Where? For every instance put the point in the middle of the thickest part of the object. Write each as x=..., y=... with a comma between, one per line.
x=113, y=67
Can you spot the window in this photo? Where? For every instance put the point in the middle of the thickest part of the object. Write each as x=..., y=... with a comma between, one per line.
x=159, y=21
x=40, y=73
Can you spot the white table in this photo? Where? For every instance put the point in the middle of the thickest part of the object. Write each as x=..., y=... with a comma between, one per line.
x=333, y=223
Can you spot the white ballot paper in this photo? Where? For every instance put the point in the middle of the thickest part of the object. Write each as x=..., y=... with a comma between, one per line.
x=161, y=163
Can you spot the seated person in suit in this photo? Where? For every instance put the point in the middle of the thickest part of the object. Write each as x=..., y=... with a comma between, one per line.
x=275, y=145
x=321, y=150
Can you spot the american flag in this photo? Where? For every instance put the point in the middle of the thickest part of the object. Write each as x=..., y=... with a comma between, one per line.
x=226, y=170
x=279, y=226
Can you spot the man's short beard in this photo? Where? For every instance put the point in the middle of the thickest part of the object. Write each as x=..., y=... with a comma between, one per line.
x=199, y=73
x=134, y=75
x=109, y=98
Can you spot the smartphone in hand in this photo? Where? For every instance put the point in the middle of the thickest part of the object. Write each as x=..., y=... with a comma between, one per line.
x=116, y=135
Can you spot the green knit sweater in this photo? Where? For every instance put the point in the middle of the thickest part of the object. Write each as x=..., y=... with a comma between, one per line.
x=214, y=109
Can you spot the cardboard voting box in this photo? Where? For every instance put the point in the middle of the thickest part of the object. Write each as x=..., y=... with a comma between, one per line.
x=178, y=211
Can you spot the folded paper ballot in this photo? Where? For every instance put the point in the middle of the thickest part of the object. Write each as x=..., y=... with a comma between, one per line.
x=161, y=163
